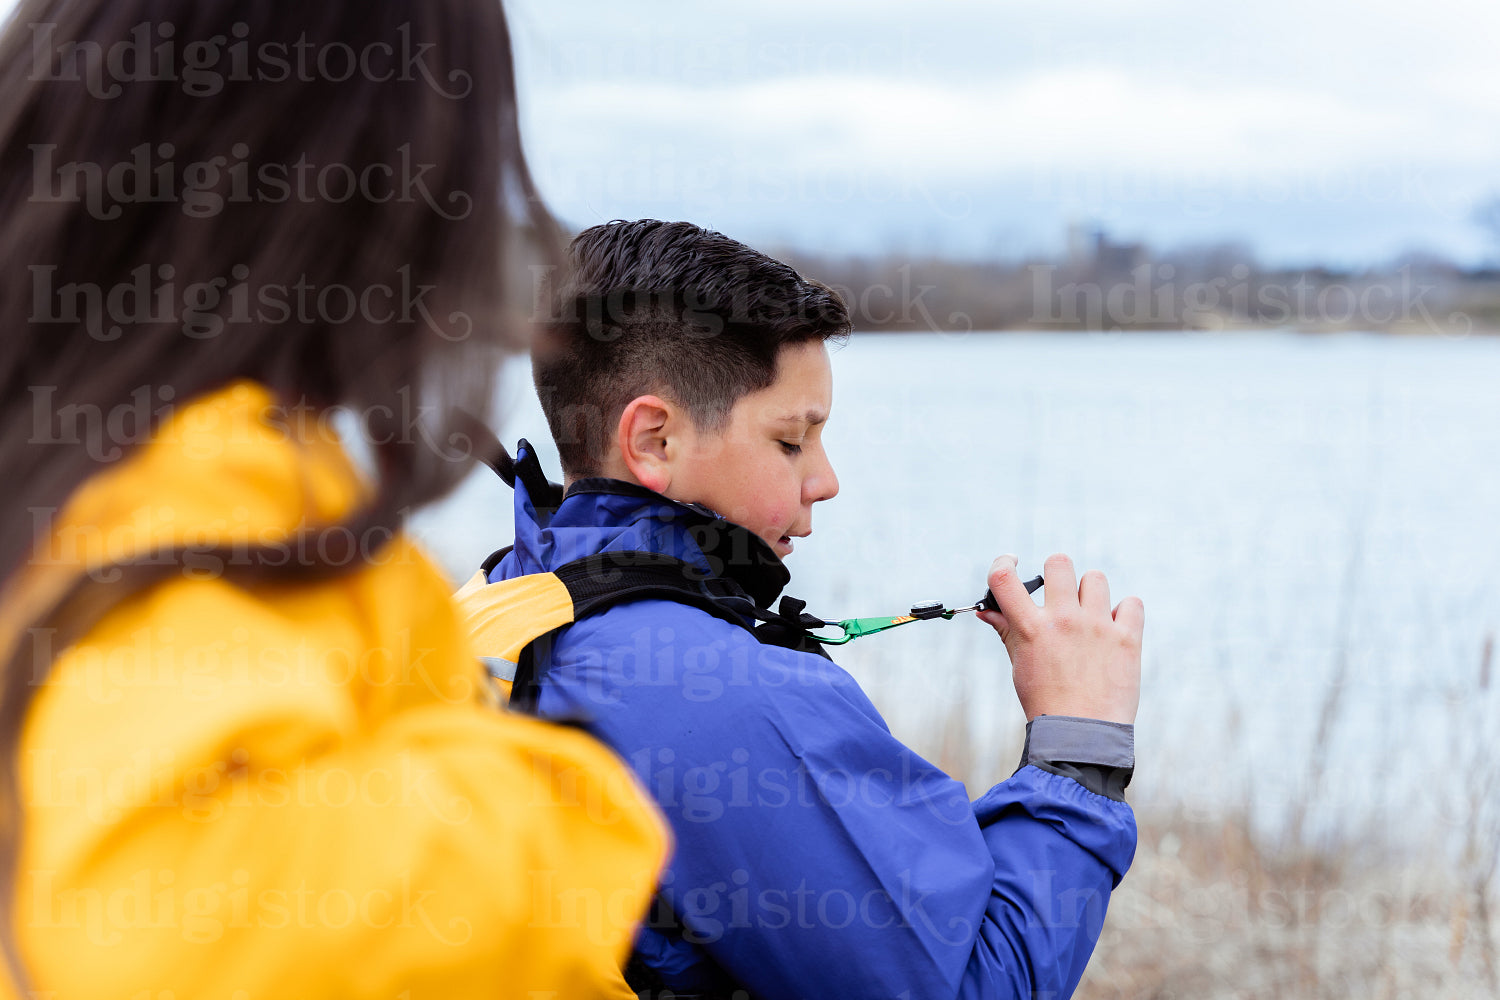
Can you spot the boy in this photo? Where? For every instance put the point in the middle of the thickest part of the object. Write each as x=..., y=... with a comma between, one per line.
x=687, y=385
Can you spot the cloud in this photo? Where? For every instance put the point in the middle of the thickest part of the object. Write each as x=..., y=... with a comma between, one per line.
x=1066, y=119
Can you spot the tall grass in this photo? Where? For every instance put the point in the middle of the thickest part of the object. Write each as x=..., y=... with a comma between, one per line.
x=1219, y=907
x=1213, y=909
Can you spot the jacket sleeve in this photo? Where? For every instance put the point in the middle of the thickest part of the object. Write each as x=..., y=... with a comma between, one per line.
x=227, y=795
x=1059, y=848
x=818, y=856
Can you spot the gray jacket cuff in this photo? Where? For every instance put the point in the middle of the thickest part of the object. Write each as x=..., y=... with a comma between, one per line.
x=1053, y=738
x=1098, y=755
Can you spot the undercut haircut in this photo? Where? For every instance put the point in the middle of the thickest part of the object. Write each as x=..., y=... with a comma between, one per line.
x=670, y=309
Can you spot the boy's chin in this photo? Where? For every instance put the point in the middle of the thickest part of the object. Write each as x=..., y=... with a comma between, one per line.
x=783, y=546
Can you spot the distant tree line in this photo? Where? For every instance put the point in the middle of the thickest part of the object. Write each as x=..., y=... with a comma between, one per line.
x=1104, y=285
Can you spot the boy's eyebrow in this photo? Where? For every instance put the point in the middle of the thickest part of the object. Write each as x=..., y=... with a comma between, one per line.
x=811, y=416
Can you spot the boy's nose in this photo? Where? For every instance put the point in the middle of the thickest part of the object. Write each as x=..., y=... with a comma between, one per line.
x=824, y=484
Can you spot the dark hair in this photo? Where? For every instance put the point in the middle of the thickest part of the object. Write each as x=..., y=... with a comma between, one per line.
x=672, y=309
x=227, y=80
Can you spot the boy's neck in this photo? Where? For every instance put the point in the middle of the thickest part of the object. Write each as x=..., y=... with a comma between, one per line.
x=613, y=467
x=617, y=471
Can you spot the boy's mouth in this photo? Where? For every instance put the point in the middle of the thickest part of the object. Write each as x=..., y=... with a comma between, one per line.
x=784, y=543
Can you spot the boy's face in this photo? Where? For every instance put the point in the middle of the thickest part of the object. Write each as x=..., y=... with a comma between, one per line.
x=767, y=467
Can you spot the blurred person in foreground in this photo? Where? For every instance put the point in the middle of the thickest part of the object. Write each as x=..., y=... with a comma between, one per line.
x=244, y=749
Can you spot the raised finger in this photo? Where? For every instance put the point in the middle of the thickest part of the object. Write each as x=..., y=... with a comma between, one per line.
x=1010, y=593
x=1093, y=592
x=1131, y=613
x=1062, y=584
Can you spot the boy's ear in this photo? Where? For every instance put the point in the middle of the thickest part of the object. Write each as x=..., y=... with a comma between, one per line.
x=641, y=438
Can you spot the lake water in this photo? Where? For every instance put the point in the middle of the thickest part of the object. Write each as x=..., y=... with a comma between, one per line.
x=1311, y=522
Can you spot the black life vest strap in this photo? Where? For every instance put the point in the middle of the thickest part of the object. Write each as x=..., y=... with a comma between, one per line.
x=599, y=582
x=488, y=566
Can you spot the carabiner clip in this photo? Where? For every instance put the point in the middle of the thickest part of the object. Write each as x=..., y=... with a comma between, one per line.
x=853, y=628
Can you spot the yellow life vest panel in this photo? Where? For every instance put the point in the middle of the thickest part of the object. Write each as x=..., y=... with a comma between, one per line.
x=505, y=618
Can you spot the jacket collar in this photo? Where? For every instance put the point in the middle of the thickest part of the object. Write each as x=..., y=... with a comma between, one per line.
x=603, y=515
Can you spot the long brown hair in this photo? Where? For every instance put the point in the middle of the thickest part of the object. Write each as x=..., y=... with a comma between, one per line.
x=150, y=150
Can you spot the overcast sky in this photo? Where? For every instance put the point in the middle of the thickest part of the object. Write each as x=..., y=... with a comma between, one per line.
x=1309, y=130
x=1347, y=132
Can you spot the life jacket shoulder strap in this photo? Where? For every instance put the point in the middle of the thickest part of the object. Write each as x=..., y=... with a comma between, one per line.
x=601, y=581
x=506, y=619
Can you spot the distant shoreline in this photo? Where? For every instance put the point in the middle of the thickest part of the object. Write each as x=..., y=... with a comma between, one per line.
x=1118, y=292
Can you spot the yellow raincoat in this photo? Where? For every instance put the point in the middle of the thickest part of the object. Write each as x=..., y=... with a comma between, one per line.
x=236, y=792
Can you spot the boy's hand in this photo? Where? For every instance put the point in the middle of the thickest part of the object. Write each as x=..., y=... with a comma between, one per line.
x=1073, y=656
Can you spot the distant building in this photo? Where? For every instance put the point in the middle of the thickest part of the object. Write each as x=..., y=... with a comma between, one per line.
x=1091, y=249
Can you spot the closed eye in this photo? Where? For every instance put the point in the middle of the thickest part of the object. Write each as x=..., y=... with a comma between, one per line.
x=791, y=447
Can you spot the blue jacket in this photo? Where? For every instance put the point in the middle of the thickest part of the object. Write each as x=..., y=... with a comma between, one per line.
x=816, y=855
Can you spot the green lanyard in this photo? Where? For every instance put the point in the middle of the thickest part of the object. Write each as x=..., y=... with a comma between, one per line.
x=853, y=628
